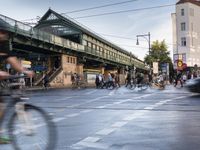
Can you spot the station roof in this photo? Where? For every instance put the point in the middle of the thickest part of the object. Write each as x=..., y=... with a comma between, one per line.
x=51, y=15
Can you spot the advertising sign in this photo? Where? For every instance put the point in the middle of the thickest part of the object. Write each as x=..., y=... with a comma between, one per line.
x=155, y=67
x=26, y=64
x=165, y=68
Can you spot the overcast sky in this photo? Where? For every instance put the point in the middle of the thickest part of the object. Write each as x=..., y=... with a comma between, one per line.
x=127, y=25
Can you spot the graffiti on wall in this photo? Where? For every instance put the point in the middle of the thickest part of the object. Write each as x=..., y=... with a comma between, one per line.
x=58, y=80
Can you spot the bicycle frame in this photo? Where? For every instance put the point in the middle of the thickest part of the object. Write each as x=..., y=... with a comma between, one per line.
x=21, y=119
x=15, y=102
x=10, y=107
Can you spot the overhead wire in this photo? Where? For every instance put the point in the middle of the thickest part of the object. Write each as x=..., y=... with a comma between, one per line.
x=90, y=8
x=101, y=6
x=125, y=11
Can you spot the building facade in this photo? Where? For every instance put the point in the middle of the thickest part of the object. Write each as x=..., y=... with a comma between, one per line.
x=186, y=32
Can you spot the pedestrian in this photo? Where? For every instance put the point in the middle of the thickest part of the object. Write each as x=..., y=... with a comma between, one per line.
x=46, y=81
x=128, y=79
x=97, y=82
x=184, y=78
x=178, y=78
x=22, y=81
x=72, y=78
x=117, y=80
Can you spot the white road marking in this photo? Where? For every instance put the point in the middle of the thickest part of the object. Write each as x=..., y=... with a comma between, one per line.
x=72, y=115
x=58, y=119
x=91, y=139
x=90, y=92
x=101, y=107
x=62, y=99
x=112, y=93
x=119, y=124
x=117, y=102
x=150, y=107
x=82, y=144
x=86, y=111
x=106, y=131
x=130, y=117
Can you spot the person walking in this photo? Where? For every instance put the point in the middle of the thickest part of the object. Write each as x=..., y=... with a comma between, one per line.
x=46, y=81
x=178, y=78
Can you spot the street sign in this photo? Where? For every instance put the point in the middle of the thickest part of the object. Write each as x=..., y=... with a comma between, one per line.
x=39, y=68
x=179, y=63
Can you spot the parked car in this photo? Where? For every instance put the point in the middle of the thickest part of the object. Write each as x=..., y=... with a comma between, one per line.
x=193, y=85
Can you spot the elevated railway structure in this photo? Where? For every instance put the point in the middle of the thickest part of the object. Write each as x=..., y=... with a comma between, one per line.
x=59, y=46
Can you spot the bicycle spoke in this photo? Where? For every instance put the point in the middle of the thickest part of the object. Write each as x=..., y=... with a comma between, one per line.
x=36, y=134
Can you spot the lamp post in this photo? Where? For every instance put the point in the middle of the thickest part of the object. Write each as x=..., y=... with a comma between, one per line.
x=148, y=40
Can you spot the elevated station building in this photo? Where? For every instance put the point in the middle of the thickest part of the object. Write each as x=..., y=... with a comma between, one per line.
x=59, y=46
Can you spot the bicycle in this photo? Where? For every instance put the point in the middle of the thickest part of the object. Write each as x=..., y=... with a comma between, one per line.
x=26, y=121
x=159, y=84
x=142, y=85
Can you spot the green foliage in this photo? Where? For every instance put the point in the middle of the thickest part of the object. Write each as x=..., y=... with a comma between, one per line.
x=159, y=53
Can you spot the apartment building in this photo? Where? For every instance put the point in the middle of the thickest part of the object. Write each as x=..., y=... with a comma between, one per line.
x=186, y=32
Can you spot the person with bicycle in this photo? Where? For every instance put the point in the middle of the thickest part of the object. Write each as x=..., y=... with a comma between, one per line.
x=6, y=54
x=178, y=78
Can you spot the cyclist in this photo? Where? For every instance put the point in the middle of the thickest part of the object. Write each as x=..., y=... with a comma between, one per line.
x=6, y=54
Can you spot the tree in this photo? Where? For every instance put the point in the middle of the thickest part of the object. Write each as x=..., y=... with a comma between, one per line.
x=159, y=53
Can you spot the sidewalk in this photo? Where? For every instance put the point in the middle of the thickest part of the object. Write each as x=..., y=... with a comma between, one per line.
x=34, y=88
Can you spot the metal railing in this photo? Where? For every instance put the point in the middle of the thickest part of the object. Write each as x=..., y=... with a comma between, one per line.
x=29, y=31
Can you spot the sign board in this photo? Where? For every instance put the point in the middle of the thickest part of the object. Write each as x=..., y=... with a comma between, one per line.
x=181, y=57
x=91, y=78
x=180, y=61
x=26, y=64
x=155, y=67
x=39, y=68
x=165, y=68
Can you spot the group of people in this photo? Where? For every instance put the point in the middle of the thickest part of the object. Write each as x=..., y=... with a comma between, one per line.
x=183, y=76
x=75, y=79
x=107, y=80
x=138, y=78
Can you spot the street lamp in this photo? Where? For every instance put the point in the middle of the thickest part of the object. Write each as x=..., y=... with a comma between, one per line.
x=144, y=36
x=148, y=40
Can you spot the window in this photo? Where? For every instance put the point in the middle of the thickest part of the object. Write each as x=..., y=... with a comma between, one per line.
x=192, y=27
x=183, y=26
x=182, y=12
x=73, y=61
x=191, y=12
x=192, y=39
x=183, y=41
x=68, y=59
x=89, y=44
x=84, y=42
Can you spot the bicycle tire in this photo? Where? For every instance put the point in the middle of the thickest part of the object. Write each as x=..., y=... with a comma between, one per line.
x=144, y=86
x=51, y=129
x=133, y=86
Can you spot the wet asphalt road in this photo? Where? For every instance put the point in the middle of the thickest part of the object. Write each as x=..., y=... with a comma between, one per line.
x=122, y=119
